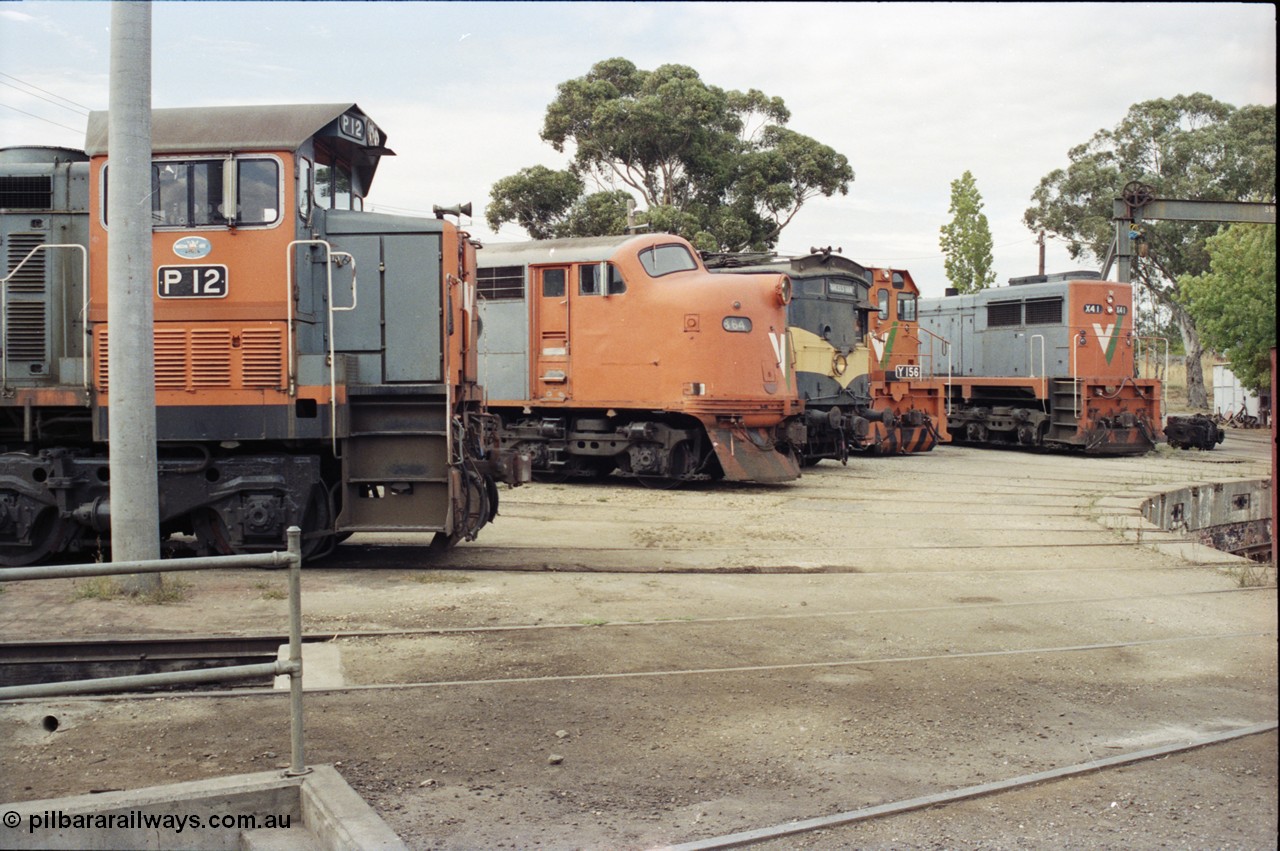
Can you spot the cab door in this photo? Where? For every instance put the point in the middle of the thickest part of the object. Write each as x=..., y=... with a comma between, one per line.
x=550, y=333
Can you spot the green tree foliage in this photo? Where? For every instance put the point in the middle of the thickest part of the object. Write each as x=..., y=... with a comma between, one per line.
x=1189, y=146
x=718, y=167
x=535, y=198
x=966, y=239
x=1234, y=303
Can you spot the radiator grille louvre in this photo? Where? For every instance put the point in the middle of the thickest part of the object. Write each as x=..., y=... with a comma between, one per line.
x=209, y=358
x=170, y=360
x=26, y=330
x=30, y=279
x=262, y=362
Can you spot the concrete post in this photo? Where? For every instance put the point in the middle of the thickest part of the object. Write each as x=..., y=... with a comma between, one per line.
x=135, y=506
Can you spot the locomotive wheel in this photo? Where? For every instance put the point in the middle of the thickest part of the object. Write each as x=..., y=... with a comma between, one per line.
x=49, y=534
x=318, y=539
x=211, y=532
x=681, y=465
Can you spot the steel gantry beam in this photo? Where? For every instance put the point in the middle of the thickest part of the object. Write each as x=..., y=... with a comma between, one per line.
x=1138, y=203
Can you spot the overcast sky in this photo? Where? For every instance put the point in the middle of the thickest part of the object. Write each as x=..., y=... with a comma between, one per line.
x=913, y=94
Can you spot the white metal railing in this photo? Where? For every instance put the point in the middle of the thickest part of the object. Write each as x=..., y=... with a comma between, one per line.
x=1140, y=357
x=946, y=349
x=330, y=254
x=293, y=667
x=66, y=337
x=1044, y=369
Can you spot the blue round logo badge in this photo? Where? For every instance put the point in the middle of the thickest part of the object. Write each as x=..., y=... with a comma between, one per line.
x=192, y=247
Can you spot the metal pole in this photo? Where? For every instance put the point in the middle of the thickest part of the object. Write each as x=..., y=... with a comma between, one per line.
x=297, y=765
x=131, y=418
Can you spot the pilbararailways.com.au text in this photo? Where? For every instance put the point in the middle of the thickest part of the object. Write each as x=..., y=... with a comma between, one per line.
x=139, y=820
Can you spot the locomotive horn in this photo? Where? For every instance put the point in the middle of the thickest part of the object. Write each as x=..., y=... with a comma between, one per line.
x=455, y=210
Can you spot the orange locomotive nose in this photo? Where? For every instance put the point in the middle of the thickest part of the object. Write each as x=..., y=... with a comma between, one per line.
x=623, y=354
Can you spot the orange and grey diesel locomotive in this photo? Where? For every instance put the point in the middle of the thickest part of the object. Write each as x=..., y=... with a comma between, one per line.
x=1046, y=362
x=623, y=353
x=903, y=357
x=855, y=396
x=314, y=364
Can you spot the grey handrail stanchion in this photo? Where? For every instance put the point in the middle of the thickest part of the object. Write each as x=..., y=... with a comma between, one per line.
x=297, y=765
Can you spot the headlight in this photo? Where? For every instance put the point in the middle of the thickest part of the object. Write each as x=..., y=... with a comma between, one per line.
x=783, y=290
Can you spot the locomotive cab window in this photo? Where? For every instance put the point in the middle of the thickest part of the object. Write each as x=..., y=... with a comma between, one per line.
x=906, y=307
x=664, y=259
x=194, y=193
x=304, y=188
x=882, y=303
x=589, y=279
x=334, y=187
x=600, y=279
x=614, y=283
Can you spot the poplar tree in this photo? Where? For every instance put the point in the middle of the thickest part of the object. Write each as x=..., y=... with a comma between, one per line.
x=966, y=239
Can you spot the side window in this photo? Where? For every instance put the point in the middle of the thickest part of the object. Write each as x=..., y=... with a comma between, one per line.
x=906, y=307
x=259, y=189
x=589, y=279
x=324, y=186
x=882, y=301
x=342, y=189
x=553, y=283
x=333, y=186
x=304, y=188
x=617, y=286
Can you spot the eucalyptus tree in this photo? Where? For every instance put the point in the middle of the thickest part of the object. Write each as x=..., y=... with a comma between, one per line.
x=717, y=166
x=1189, y=146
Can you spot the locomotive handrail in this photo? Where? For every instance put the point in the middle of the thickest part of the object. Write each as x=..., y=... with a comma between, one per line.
x=946, y=347
x=1138, y=352
x=1031, y=363
x=1075, y=375
x=333, y=363
x=4, y=311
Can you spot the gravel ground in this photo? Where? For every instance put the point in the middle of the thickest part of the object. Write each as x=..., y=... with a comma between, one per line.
x=610, y=667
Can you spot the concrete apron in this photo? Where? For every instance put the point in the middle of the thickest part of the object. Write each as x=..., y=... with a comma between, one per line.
x=268, y=810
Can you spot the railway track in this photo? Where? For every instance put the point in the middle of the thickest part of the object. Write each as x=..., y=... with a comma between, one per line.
x=29, y=662
x=61, y=660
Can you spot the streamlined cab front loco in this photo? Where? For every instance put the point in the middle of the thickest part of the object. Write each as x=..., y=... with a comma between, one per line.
x=1047, y=362
x=623, y=353
x=314, y=364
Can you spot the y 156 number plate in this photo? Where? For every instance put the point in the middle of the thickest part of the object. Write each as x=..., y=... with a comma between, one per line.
x=906, y=371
